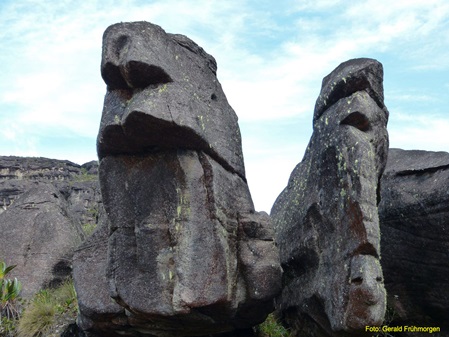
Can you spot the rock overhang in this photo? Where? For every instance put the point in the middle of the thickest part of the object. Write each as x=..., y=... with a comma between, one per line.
x=163, y=93
x=363, y=74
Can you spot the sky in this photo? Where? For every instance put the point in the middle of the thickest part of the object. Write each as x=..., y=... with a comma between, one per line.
x=271, y=55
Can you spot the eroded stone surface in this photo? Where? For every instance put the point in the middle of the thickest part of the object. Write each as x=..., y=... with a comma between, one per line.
x=187, y=253
x=44, y=204
x=414, y=217
x=163, y=92
x=326, y=219
x=38, y=237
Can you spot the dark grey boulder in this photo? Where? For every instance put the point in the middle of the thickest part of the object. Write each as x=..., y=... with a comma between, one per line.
x=326, y=219
x=414, y=217
x=38, y=237
x=45, y=203
x=98, y=311
x=72, y=330
x=187, y=255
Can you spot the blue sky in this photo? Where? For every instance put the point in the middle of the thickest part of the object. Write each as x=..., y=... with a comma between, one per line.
x=272, y=56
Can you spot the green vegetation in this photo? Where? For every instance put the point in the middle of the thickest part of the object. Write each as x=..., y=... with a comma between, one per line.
x=41, y=314
x=46, y=309
x=9, y=293
x=84, y=176
x=90, y=226
x=93, y=212
x=9, y=300
x=38, y=316
x=272, y=328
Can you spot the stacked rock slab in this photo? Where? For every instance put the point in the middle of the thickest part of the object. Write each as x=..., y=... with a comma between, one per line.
x=326, y=219
x=414, y=218
x=187, y=253
x=43, y=203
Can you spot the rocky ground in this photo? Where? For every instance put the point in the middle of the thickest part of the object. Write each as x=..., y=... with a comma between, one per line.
x=413, y=219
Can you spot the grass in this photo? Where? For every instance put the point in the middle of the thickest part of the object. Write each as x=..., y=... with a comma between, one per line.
x=272, y=328
x=85, y=177
x=45, y=312
x=90, y=226
x=8, y=327
x=45, y=309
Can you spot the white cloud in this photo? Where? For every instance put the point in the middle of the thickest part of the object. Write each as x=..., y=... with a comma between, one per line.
x=53, y=63
x=314, y=5
x=412, y=97
x=431, y=135
x=271, y=60
x=424, y=131
x=289, y=79
x=268, y=169
x=267, y=177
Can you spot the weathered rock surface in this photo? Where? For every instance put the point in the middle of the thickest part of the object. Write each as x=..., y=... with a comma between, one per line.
x=326, y=219
x=44, y=202
x=100, y=311
x=187, y=254
x=414, y=217
x=148, y=70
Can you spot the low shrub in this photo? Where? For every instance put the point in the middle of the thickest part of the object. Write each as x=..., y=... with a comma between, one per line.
x=272, y=328
x=45, y=310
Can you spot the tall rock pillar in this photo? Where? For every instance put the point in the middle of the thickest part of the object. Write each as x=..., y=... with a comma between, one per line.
x=187, y=253
x=326, y=219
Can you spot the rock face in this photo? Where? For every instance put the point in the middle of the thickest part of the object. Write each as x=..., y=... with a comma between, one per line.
x=99, y=310
x=187, y=253
x=44, y=203
x=326, y=219
x=148, y=70
x=414, y=216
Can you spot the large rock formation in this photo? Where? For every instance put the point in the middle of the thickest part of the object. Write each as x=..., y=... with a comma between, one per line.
x=98, y=309
x=187, y=253
x=326, y=219
x=44, y=203
x=414, y=217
